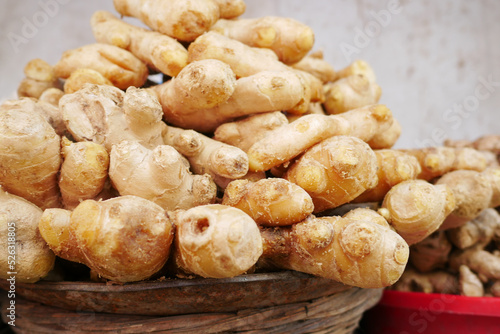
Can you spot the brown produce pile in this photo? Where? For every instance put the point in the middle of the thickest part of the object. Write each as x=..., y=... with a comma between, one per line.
x=230, y=164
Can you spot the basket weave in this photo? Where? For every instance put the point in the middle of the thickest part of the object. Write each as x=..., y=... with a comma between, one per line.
x=338, y=313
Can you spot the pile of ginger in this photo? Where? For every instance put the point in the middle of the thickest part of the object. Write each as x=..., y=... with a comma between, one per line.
x=250, y=154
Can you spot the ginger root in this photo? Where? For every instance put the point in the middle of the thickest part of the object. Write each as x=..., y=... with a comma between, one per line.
x=158, y=51
x=431, y=253
x=482, y=262
x=29, y=156
x=215, y=241
x=52, y=96
x=416, y=208
x=24, y=252
x=478, y=231
x=159, y=175
x=314, y=64
x=84, y=171
x=288, y=38
x=335, y=171
x=39, y=77
x=386, y=139
x=119, y=66
x=358, y=67
x=470, y=285
x=438, y=281
x=270, y=202
x=356, y=252
x=82, y=76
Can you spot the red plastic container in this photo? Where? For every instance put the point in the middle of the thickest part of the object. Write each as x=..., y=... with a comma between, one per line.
x=419, y=313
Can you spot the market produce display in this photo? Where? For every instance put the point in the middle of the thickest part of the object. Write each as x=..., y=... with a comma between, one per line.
x=233, y=162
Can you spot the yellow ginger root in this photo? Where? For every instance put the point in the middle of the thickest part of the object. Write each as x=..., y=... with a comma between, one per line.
x=180, y=19
x=478, y=231
x=434, y=282
x=245, y=61
x=159, y=175
x=357, y=67
x=270, y=202
x=335, y=171
x=393, y=167
x=216, y=241
x=431, y=253
x=82, y=76
x=205, y=94
x=119, y=66
x=84, y=171
x=472, y=191
x=470, y=285
x=160, y=52
x=368, y=121
x=437, y=161
x=49, y=112
x=314, y=108
x=29, y=157
x=230, y=9
x=288, y=38
x=52, y=96
x=24, y=251
x=485, y=264
x=364, y=213
x=206, y=155
x=39, y=77
x=356, y=252
x=123, y=239
x=489, y=143
x=317, y=66
x=243, y=133
x=349, y=93
x=386, y=139
x=54, y=226
x=106, y=115
x=416, y=208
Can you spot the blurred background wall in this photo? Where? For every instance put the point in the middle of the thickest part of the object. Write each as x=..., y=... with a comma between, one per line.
x=438, y=62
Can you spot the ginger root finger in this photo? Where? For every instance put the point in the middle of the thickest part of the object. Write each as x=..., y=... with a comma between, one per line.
x=482, y=262
x=52, y=96
x=470, y=284
x=431, y=253
x=230, y=9
x=83, y=173
x=357, y=67
x=335, y=171
x=355, y=252
x=21, y=238
x=270, y=202
x=82, y=76
x=416, y=208
x=119, y=66
x=478, y=231
x=39, y=77
x=317, y=66
x=434, y=282
x=386, y=139
x=160, y=52
x=216, y=241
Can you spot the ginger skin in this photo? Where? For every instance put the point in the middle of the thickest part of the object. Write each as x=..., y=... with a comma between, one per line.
x=82, y=76
x=160, y=52
x=39, y=77
x=159, y=175
x=52, y=96
x=84, y=171
x=431, y=253
x=270, y=202
x=19, y=224
x=482, y=262
x=335, y=171
x=317, y=66
x=434, y=282
x=215, y=241
x=416, y=208
x=470, y=284
x=358, y=67
x=386, y=139
x=478, y=231
x=343, y=249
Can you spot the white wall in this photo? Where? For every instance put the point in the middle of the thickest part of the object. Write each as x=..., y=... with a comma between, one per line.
x=438, y=62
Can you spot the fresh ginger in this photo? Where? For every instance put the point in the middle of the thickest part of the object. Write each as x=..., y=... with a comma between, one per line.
x=82, y=76
x=469, y=284
x=431, y=253
x=349, y=93
x=485, y=264
x=393, y=167
x=230, y=9
x=29, y=156
x=52, y=96
x=205, y=94
x=478, y=231
x=275, y=148
x=315, y=64
x=416, y=208
x=206, y=155
x=439, y=281
x=356, y=252
x=386, y=139
x=270, y=202
x=21, y=241
x=358, y=67
x=288, y=38
x=335, y=171
x=215, y=241
x=159, y=175
x=243, y=133
x=84, y=171
x=39, y=77
x=489, y=143
x=123, y=239
x=106, y=115
x=245, y=61
x=119, y=66
x=179, y=19
x=160, y=52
